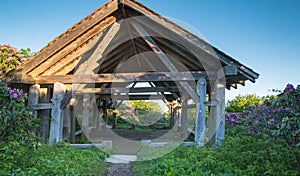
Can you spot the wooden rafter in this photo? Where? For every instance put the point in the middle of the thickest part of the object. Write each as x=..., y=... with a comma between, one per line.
x=164, y=59
x=122, y=77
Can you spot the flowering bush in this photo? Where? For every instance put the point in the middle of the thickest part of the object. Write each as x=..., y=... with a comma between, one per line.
x=10, y=58
x=16, y=121
x=276, y=117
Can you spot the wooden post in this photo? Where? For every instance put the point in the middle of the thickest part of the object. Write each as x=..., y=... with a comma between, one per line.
x=184, y=115
x=114, y=125
x=67, y=124
x=44, y=114
x=200, y=112
x=72, y=121
x=176, y=119
x=216, y=120
x=57, y=114
x=171, y=121
x=105, y=104
x=97, y=120
x=85, y=115
x=33, y=98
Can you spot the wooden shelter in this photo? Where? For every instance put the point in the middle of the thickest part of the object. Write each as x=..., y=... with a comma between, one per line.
x=101, y=58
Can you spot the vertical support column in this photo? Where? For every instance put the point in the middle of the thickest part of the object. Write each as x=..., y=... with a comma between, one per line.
x=171, y=121
x=176, y=119
x=200, y=112
x=105, y=104
x=57, y=114
x=72, y=121
x=217, y=117
x=114, y=125
x=44, y=114
x=97, y=120
x=67, y=124
x=184, y=115
x=220, y=110
x=33, y=98
x=85, y=115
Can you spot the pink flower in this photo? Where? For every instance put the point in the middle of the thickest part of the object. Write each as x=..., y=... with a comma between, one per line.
x=255, y=122
x=14, y=96
x=289, y=88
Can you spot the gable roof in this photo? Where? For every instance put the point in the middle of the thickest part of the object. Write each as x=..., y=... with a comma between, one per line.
x=67, y=51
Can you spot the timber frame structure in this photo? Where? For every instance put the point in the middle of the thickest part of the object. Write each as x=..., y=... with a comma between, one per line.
x=122, y=43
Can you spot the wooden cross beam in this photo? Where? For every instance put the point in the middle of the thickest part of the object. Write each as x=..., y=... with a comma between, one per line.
x=139, y=97
x=92, y=62
x=165, y=60
x=108, y=91
x=122, y=77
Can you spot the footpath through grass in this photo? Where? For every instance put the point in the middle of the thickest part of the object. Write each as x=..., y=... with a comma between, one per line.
x=241, y=154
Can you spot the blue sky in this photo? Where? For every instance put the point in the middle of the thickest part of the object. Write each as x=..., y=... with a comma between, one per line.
x=262, y=34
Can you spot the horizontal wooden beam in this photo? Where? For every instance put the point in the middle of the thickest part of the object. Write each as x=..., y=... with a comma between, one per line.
x=41, y=106
x=123, y=77
x=19, y=78
x=207, y=103
x=107, y=91
x=139, y=97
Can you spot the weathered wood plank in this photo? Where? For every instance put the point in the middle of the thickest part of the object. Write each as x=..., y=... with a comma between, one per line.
x=139, y=97
x=200, y=112
x=216, y=121
x=44, y=113
x=227, y=71
x=104, y=114
x=203, y=51
x=85, y=115
x=207, y=103
x=70, y=48
x=66, y=134
x=108, y=91
x=17, y=77
x=42, y=106
x=66, y=99
x=91, y=64
x=184, y=115
x=72, y=120
x=57, y=114
x=122, y=77
x=72, y=33
x=68, y=62
x=164, y=59
x=33, y=98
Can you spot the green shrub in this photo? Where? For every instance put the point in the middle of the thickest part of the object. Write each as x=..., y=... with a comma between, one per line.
x=241, y=102
x=241, y=154
x=16, y=121
x=60, y=159
x=17, y=136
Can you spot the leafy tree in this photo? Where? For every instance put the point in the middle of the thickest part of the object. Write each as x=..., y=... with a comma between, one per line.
x=241, y=102
x=142, y=113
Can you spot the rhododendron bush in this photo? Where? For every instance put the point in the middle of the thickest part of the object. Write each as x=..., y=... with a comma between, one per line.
x=10, y=57
x=16, y=123
x=277, y=117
